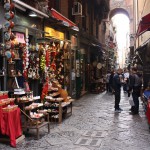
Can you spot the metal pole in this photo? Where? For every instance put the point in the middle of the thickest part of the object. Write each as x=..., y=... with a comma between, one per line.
x=138, y=20
x=4, y=63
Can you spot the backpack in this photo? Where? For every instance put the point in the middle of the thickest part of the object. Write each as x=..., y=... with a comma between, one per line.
x=137, y=80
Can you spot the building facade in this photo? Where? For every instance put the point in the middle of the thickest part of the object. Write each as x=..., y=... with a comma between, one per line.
x=77, y=24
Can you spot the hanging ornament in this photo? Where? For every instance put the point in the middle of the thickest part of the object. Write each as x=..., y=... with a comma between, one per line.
x=9, y=24
x=8, y=45
x=8, y=54
x=12, y=54
x=9, y=15
x=47, y=58
x=8, y=6
x=43, y=63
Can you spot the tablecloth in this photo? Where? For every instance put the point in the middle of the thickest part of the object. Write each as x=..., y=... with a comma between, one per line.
x=11, y=125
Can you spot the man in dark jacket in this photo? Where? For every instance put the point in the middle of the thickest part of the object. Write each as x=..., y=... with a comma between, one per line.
x=111, y=81
x=117, y=89
x=135, y=87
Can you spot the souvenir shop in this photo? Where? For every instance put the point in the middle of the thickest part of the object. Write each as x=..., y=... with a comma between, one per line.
x=97, y=69
x=36, y=80
x=91, y=72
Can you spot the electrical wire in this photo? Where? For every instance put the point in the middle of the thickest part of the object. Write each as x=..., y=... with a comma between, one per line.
x=143, y=7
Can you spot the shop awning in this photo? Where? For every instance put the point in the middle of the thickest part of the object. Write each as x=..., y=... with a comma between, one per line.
x=144, y=25
x=23, y=6
x=65, y=21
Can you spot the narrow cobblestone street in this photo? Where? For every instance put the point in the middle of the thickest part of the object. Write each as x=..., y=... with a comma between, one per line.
x=93, y=126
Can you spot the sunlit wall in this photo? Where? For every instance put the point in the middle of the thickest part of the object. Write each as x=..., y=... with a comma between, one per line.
x=121, y=22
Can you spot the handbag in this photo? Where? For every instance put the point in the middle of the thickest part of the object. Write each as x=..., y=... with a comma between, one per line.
x=131, y=102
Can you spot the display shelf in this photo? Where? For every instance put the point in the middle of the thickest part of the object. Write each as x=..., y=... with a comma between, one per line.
x=54, y=94
x=33, y=106
x=34, y=115
x=57, y=108
x=36, y=123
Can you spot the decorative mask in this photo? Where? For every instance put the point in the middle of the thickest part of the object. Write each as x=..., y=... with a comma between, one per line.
x=8, y=6
x=9, y=15
x=9, y=24
x=8, y=54
x=7, y=36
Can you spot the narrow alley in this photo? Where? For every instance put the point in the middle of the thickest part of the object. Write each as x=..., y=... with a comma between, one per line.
x=94, y=126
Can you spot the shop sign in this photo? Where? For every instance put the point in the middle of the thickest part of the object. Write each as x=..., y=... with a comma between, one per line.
x=20, y=37
x=54, y=33
x=73, y=41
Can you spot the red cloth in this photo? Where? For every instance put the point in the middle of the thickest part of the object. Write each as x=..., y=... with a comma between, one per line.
x=59, y=16
x=11, y=125
x=1, y=121
x=3, y=96
x=44, y=90
x=148, y=111
x=1, y=117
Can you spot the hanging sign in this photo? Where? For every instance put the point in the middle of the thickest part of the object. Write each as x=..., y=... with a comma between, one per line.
x=54, y=33
x=20, y=37
x=73, y=41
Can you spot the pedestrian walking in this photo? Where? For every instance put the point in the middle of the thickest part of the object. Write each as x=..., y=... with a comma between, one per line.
x=117, y=89
x=135, y=89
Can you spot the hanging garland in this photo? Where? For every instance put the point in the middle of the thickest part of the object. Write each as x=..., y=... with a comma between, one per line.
x=25, y=56
x=9, y=24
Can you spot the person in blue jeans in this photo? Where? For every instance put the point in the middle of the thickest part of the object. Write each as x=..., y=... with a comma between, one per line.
x=117, y=89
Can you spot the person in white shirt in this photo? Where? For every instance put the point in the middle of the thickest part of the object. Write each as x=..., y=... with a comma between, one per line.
x=125, y=80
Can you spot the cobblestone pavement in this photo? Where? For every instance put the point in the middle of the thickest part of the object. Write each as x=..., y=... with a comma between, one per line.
x=93, y=126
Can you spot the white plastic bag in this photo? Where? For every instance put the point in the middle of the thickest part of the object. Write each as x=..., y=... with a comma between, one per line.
x=131, y=102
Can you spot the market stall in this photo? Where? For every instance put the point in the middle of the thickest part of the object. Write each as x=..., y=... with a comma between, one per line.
x=32, y=66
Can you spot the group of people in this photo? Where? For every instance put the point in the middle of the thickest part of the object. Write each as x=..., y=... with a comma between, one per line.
x=132, y=83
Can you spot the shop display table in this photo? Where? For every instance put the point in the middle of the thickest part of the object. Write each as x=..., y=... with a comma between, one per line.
x=58, y=109
x=34, y=115
x=3, y=103
x=11, y=124
x=37, y=123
